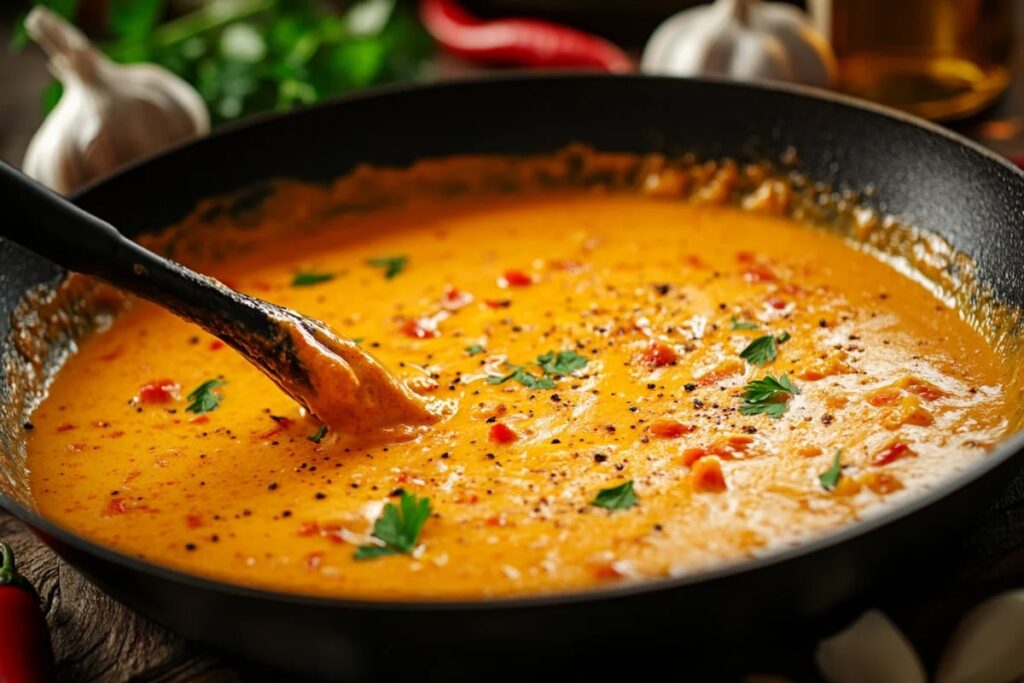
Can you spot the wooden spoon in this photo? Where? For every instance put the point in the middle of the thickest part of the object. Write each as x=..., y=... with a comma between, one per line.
x=347, y=388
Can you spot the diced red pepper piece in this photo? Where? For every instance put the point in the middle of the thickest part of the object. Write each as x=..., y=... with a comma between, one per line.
x=501, y=433
x=116, y=506
x=692, y=455
x=158, y=391
x=758, y=273
x=669, y=429
x=216, y=345
x=707, y=476
x=497, y=303
x=65, y=427
x=420, y=328
x=777, y=303
x=515, y=278
x=893, y=452
x=659, y=354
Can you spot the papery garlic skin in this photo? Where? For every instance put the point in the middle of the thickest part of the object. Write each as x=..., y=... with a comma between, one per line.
x=870, y=650
x=745, y=40
x=988, y=645
x=109, y=114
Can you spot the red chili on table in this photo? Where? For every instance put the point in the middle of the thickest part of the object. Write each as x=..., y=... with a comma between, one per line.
x=518, y=42
x=25, y=654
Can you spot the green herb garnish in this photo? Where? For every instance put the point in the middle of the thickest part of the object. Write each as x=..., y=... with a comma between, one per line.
x=203, y=398
x=358, y=340
x=528, y=380
x=398, y=527
x=553, y=363
x=768, y=396
x=475, y=349
x=738, y=324
x=319, y=434
x=784, y=337
x=830, y=477
x=561, y=363
x=308, y=279
x=760, y=351
x=393, y=265
x=619, y=497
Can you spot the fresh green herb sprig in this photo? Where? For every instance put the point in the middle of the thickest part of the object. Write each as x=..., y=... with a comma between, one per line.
x=203, y=398
x=310, y=278
x=398, y=528
x=475, y=349
x=768, y=396
x=621, y=497
x=553, y=365
x=830, y=478
x=318, y=435
x=763, y=350
x=392, y=265
x=738, y=324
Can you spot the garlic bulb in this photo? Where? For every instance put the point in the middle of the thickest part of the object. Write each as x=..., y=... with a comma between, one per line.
x=986, y=646
x=741, y=39
x=109, y=114
x=870, y=650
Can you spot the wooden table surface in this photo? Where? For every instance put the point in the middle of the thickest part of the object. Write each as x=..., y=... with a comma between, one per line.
x=97, y=639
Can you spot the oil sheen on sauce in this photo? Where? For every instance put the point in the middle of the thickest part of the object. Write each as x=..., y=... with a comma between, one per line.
x=655, y=300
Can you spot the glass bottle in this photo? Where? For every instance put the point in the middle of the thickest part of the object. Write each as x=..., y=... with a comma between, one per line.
x=940, y=59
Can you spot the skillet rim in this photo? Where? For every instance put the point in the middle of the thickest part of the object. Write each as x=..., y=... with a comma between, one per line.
x=1008, y=449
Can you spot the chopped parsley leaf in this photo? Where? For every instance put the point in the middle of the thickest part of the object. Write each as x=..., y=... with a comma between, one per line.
x=203, y=398
x=310, y=278
x=554, y=364
x=830, y=477
x=358, y=340
x=528, y=380
x=784, y=337
x=738, y=324
x=398, y=528
x=475, y=349
x=619, y=497
x=768, y=396
x=561, y=363
x=760, y=351
x=319, y=434
x=393, y=265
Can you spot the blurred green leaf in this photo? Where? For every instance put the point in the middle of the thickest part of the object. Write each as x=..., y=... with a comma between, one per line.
x=51, y=96
x=247, y=56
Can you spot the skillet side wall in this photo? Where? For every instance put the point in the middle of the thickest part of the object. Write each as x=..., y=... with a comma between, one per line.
x=920, y=176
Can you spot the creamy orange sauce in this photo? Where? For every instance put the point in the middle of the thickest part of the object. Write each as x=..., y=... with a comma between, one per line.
x=645, y=290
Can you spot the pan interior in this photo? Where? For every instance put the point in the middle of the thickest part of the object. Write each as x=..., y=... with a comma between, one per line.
x=54, y=320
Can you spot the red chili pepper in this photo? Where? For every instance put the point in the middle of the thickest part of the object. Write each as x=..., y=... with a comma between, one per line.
x=518, y=42
x=25, y=654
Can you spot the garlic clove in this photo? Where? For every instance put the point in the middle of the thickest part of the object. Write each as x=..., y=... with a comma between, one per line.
x=987, y=645
x=741, y=39
x=870, y=650
x=109, y=114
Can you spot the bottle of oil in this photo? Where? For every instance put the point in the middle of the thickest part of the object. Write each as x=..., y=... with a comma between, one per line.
x=941, y=59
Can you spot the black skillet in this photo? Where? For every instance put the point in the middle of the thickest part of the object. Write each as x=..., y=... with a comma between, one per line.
x=920, y=173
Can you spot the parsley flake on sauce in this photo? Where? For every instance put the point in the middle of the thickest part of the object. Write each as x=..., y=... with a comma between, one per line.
x=392, y=265
x=830, y=477
x=619, y=497
x=553, y=363
x=738, y=324
x=318, y=435
x=475, y=349
x=561, y=363
x=760, y=351
x=764, y=349
x=768, y=396
x=203, y=398
x=307, y=279
x=398, y=528
x=528, y=380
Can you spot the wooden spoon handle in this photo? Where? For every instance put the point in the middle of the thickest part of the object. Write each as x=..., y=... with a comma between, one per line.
x=46, y=223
